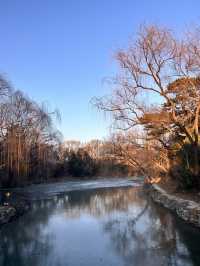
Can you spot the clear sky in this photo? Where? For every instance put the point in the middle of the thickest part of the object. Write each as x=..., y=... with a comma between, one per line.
x=59, y=51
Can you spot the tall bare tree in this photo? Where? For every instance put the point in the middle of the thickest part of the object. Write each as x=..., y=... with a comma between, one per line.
x=158, y=88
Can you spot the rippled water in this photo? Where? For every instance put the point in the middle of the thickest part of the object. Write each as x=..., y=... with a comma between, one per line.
x=99, y=226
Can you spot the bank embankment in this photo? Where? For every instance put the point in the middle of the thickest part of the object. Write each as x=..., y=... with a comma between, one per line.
x=187, y=210
x=12, y=207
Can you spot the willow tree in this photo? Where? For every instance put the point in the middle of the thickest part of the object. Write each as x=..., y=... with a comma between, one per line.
x=28, y=140
x=159, y=79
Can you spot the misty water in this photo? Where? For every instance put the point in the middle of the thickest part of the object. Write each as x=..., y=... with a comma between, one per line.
x=97, y=223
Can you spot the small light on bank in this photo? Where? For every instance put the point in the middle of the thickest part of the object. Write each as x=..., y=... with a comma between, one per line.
x=8, y=194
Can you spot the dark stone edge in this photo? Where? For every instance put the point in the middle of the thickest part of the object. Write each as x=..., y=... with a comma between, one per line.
x=187, y=210
x=10, y=212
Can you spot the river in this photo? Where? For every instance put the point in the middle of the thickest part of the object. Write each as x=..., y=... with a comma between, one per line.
x=109, y=223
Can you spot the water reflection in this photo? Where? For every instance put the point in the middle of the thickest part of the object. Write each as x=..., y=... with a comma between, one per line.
x=98, y=227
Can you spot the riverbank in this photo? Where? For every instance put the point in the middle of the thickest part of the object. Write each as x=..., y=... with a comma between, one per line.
x=186, y=209
x=12, y=206
x=19, y=200
x=15, y=202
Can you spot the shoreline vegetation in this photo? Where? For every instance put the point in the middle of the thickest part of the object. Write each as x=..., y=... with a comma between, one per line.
x=32, y=150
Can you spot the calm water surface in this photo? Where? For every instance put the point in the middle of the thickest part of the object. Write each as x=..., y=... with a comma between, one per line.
x=99, y=226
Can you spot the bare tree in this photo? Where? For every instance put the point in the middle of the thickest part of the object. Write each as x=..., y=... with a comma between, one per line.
x=28, y=140
x=159, y=67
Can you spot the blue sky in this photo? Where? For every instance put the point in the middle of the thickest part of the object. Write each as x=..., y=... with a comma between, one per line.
x=59, y=51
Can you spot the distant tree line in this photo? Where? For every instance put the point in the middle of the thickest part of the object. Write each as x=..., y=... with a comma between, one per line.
x=156, y=105
x=93, y=158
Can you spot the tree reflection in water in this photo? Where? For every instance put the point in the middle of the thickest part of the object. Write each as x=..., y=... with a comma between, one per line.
x=98, y=227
